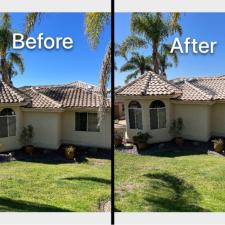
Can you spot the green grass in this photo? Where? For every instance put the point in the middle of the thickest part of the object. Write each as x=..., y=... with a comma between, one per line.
x=35, y=187
x=169, y=183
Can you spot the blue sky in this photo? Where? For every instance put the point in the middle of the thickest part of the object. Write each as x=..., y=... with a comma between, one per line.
x=61, y=66
x=202, y=27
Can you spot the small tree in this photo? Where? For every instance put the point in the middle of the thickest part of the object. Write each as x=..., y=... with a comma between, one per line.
x=27, y=135
x=177, y=127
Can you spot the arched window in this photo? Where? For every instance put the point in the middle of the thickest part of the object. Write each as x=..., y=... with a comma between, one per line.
x=135, y=115
x=157, y=115
x=7, y=123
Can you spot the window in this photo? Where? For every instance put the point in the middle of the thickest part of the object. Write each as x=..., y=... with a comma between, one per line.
x=7, y=123
x=86, y=121
x=157, y=115
x=135, y=115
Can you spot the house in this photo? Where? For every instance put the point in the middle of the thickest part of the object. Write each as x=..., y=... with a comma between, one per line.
x=152, y=102
x=59, y=114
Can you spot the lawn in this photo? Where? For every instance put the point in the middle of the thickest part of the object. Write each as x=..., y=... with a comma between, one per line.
x=169, y=183
x=52, y=187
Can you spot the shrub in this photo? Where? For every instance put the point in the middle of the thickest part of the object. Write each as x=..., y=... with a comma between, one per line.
x=141, y=137
x=70, y=152
x=27, y=135
x=176, y=127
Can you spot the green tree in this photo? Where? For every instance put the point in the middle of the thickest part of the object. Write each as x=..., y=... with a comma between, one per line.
x=166, y=58
x=150, y=30
x=8, y=58
x=138, y=64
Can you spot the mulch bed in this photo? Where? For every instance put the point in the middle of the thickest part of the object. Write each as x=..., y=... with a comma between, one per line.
x=171, y=149
x=55, y=156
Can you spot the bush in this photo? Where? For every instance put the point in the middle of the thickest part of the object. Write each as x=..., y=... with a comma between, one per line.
x=27, y=135
x=141, y=137
x=70, y=152
x=177, y=127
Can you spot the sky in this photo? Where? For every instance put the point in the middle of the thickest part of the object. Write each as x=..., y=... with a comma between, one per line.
x=60, y=66
x=201, y=26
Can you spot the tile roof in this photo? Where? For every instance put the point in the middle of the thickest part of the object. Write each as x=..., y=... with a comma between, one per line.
x=84, y=85
x=40, y=100
x=189, y=89
x=51, y=97
x=10, y=94
x=70, y=96
x=149, y=84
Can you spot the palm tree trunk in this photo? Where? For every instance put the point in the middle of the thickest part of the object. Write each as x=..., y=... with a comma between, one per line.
x=5, y=77
x=155, y=60
x=104, y=78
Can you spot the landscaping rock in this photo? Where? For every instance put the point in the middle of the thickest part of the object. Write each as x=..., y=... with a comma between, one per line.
x=6, y=157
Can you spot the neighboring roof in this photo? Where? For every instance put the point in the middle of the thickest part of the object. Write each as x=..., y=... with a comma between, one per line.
x=84, y=85
x=51, y=96
x=149, y=84
x=10, y=94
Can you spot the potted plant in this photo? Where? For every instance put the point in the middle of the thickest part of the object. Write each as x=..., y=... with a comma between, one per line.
x=218, y=145
x=118, y=137
x=141, y=140
x=70, y=152
x=176, y=130
x=26, y=139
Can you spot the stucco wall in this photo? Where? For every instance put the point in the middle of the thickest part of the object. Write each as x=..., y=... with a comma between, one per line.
x=218, y=119
x=158, y=135
x=12, y=143
x=47, y=128
x=100, y=139
x=197, y=120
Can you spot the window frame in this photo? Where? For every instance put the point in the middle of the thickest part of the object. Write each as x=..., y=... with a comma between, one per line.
x=157, y=113
x=7, y=121
x=87, y=127
x=135, y=115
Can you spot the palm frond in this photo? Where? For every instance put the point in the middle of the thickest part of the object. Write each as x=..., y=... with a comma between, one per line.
x=131, y=43
x=127, y=66
x=94, y=26
x=16, y=58
x=131, y=76
x=31, y=19
x=5, y=21
x=104, y=79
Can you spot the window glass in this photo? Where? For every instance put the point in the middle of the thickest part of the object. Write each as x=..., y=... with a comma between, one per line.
x=162, y=117
x=157, y=115
x=3, y=127
x=135, y=115
x=92, y=122
x=81, y=121
x=12, y=125
x=153, y=118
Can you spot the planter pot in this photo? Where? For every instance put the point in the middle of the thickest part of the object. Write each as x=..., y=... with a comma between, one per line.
x=179, y=141
x=70, y=155
x=118, y=142
x=218, y=147
x=142, y=146
x=29, y=149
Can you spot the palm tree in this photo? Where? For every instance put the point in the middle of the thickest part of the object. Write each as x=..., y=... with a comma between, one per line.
x=94, y=26
x=138, y=64
x=164, y=56
x=149, y=29
x=8, y=59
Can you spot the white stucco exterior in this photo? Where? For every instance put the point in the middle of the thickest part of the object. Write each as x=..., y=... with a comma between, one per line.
x=202, y=120
x=53, y=128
